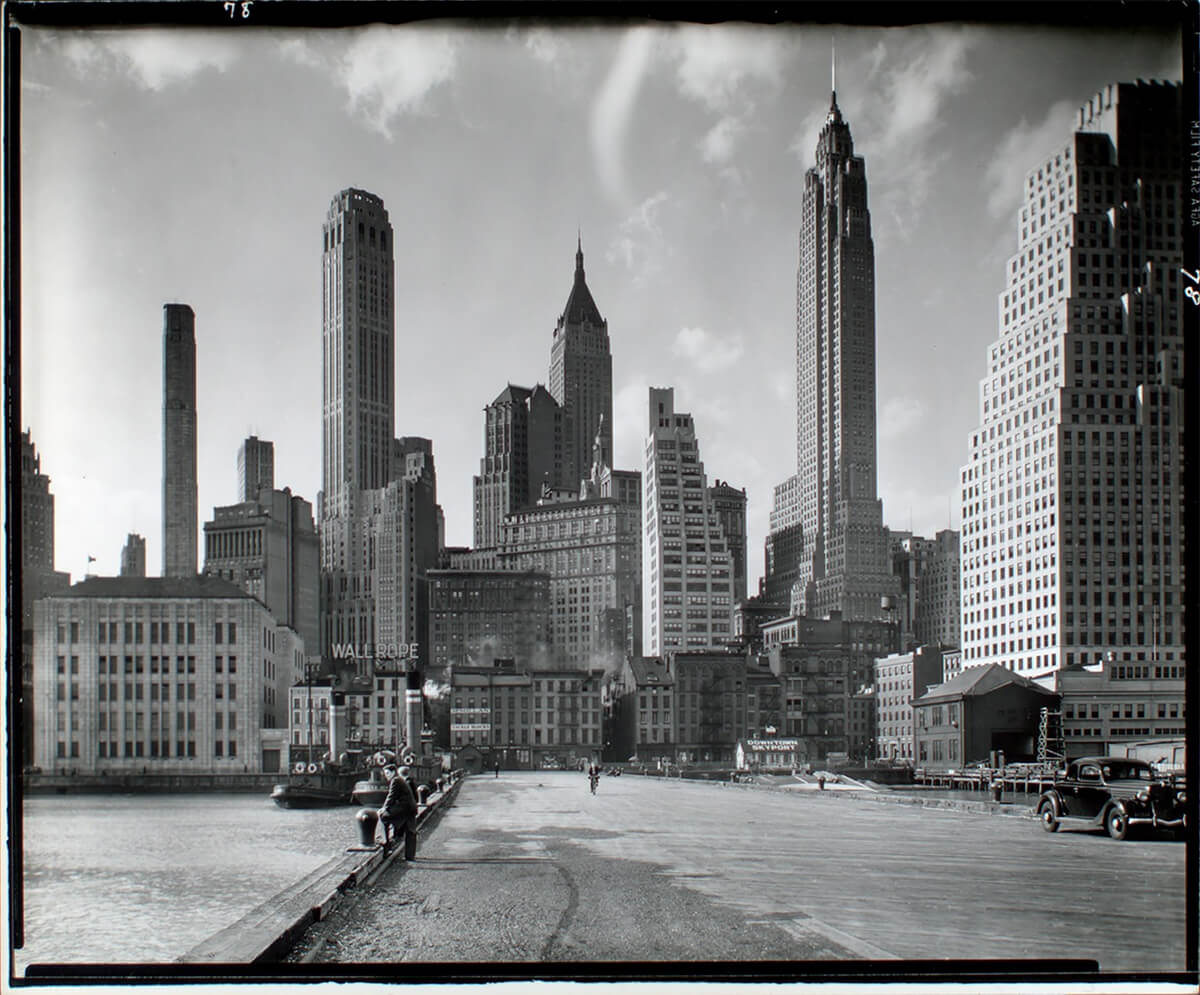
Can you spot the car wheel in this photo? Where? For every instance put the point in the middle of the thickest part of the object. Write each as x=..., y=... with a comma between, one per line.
x=1048, y=816
x=1116, y=823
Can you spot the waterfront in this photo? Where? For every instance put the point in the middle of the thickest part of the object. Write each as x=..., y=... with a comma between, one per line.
x=143, y=878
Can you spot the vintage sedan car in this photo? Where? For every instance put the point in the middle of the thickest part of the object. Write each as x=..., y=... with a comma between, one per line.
x=1112, y=793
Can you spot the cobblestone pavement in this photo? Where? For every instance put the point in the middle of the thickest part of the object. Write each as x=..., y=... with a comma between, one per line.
x=531, y=867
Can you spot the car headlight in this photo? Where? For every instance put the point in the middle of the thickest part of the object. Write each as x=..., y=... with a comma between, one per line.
x=1143, y=796
x=1181, y=798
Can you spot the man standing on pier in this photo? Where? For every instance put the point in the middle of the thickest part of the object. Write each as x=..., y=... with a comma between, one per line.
x=399, y=810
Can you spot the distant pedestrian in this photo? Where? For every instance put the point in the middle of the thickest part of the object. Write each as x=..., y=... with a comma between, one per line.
x=497, y=768
x=399, y=809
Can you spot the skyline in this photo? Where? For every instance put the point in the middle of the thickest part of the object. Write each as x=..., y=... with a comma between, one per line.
x=632, y=131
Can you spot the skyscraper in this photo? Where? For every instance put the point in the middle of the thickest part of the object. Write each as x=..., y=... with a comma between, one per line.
x=1072, y=495
x=523, y=449
x=687, y=568
x=179, y=508
x=358, y=394
x=133, y=556
x=581, y=378
x=256, y=468
x=843, y=564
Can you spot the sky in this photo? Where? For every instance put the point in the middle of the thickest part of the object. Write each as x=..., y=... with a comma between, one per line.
x=163, y=165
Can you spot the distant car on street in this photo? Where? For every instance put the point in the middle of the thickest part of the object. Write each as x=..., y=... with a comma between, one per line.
x=1114, y=794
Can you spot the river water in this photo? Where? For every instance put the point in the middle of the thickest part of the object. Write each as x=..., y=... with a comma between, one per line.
x=143, y=878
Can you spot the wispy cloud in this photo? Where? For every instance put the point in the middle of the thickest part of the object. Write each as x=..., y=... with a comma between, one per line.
x=639, y=243
x=724, y=68
x=717, y=62
x=1021, y=148
x=900, y=416
x=719, y=144
x=544, y=44
x=707, y=352
x=920, y=86
x=153, y=58
x=613, y=111
x=388, y=71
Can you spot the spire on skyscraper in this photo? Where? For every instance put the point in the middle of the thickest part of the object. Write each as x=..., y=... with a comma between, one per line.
x=580, y=305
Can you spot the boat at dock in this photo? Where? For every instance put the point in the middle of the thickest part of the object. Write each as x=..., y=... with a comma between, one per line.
x=314, y=785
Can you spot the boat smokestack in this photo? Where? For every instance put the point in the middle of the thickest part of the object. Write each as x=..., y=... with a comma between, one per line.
x=413, y=710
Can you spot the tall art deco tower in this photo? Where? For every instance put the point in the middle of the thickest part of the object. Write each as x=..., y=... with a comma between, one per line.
x=581, y=378
x=358, y=397
x=843, y=561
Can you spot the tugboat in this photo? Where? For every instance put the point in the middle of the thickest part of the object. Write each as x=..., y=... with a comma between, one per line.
x=373, y=790
x=316, y=785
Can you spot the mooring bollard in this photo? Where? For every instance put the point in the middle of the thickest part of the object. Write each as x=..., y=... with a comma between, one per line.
x=422, y=794
x=997, y=788
x=368, y=819
x=441, y=784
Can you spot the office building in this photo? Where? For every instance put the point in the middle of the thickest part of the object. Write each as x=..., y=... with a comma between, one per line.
x=581, y=377
x=523, y=453
x=1072, y=495
x=1107, y=706
x=729, y=503
x=267, y=546
x=479, y=616
x=928, y=598
x=687, y=569
x=256, y=468
x=843, y=564
x=133, y=556
x=180, y=513
x=165, y=674
x=710, y=705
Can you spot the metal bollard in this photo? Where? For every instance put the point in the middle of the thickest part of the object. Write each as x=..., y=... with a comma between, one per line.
x=422, y=793
x=368, y=819
x=997, y=789
x=441, y=784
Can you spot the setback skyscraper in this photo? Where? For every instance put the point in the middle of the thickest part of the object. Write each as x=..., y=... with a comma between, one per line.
x=843, y=562
x=581, y=378
x=1072, y=497
x=687, y=568
x=256, y=468
x=179, y=507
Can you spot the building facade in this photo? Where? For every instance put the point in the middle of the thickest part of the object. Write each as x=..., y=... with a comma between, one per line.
x=267, y=546
x=523, y=718
x=180, y=512
x=581, y=377
x=687, y=569
x=591, y=550
x=729, y=503
x=843, y=565
x=1108, y=706
x=710, y=705
x=900, y=678
x=256, y=468
x=1072, y=494
x=165, y=674
x=479, y=616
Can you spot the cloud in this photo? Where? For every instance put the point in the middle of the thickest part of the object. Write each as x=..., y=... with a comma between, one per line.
x=639, y=243
x=718, y=145
x=300, y=51
x=153, y=58
x=631, y=422
x=613, y=111
x=388, y=71
x=900, y=416
x=545, y=45
x=1021, y=149
x=717, y=61
x=920, y=88
x=707, y=352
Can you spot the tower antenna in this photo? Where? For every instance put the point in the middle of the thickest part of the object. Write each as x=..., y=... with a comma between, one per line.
x=833, y=64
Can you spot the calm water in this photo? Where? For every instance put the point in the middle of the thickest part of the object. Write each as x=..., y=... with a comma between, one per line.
x=138, y=878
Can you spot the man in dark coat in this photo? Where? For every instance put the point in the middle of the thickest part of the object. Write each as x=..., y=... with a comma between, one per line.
x=399, y=810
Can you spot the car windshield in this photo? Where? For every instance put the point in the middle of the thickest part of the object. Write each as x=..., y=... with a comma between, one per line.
x=1126, y=771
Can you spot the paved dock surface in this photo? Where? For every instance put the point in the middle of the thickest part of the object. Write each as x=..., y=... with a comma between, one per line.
x=532, y=867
